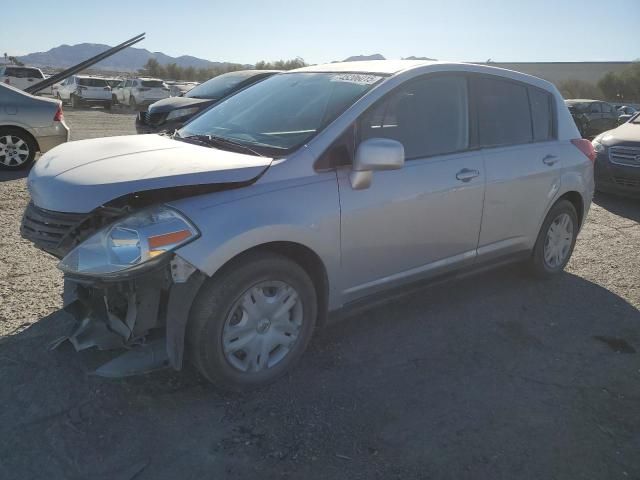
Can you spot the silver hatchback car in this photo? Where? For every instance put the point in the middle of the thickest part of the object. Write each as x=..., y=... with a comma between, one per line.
x=316, y=189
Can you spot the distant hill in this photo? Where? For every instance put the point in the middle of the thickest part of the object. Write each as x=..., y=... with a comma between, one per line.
x=359, y=58
x=129, y=59
x=419, y=58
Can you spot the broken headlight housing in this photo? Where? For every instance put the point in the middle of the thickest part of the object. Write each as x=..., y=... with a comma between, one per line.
x=130, y=243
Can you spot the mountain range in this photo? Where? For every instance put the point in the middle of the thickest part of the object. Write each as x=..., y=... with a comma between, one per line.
x=129, y=59
x=132, y=59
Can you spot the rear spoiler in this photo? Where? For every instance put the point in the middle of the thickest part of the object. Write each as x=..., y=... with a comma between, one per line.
x=81, y=66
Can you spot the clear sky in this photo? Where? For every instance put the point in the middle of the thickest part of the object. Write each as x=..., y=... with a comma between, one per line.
x=246, y=31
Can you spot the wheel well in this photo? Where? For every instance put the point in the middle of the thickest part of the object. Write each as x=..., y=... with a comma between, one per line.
x=576, y=199
x=308, y=260
x=13, y=127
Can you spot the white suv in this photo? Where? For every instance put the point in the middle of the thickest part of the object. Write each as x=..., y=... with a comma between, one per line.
x=140, y=92
x=20, y=77
x=85, y=90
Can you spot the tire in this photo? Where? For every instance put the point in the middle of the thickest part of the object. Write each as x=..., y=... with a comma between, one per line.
x=107, y=105
x=543, y=264
x=114, y=100
x=262, y=278
x=23, y=142
x=75, y=103
x=132, y=103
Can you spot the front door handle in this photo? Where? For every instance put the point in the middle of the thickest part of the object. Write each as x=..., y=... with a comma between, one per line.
x=467, y=174
x=550, y=160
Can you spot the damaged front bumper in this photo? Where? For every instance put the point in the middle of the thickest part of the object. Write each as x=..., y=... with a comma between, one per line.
x=146, y=315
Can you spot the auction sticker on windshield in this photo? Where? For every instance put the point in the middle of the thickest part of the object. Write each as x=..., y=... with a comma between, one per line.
x=359, y=78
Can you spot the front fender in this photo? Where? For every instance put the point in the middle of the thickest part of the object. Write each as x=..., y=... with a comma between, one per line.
x=306, y=213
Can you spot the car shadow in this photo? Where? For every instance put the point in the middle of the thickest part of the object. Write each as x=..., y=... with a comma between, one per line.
x=493, y=373
x=9, y=175
x=623, y=206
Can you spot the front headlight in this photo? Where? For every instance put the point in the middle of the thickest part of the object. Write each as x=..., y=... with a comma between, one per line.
x=182, y=112
x=597, y=146
x=130, y=242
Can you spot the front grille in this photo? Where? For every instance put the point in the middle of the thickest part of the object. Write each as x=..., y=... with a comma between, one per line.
x=627, y=156
x=155, y=119
x=48, y=230
x=627, y=182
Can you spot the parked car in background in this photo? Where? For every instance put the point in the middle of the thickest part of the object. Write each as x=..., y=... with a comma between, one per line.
x=179, y=89
x=20, y=77
x=28, y=125
x=625, y=112
x=112, y=82
x=140, y=92
x=592, y=116
x=302, y=194
x=79, y=90
x=617, y=168
x=172, y=113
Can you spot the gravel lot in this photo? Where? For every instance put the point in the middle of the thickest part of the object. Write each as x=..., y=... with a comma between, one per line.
x=496, y=376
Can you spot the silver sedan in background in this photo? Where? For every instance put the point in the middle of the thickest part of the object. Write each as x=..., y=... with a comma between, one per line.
x=28, y=125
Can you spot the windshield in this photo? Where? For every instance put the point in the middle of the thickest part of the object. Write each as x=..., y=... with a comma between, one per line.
x=93, y=82
x=220, y=86
x=283, y=111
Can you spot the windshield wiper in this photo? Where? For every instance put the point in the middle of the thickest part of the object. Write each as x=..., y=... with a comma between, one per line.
x=213, y=141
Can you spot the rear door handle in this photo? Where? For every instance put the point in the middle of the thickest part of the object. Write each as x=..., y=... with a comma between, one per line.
x=467, y=174
x=550, y=160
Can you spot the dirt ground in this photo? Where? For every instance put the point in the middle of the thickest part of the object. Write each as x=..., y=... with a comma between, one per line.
x=493, y=377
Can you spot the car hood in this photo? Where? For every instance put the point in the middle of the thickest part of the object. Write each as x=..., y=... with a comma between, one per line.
x=627, y=132
x=171, y=103
x=80, y=176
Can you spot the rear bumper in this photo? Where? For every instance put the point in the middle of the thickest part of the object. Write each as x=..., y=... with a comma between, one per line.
x=618, y=179
x=49, y=137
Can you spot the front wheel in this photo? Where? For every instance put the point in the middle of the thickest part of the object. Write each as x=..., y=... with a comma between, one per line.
x=251, y=323
x=555, y=241
x=132, y=103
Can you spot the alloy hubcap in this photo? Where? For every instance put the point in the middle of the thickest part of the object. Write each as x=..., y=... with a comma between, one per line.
x=262, y=326
x=558, y=241
x=13, y=151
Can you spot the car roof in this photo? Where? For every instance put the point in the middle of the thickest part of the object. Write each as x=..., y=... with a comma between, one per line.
x=581, y=100
x=366, y=66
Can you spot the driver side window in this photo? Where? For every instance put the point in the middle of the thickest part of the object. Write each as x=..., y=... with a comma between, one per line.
x=429, y=116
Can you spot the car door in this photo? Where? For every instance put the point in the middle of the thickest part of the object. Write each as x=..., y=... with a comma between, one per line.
x=422, y=219
x=609, y=116
x=595, y=124
x=522, y=161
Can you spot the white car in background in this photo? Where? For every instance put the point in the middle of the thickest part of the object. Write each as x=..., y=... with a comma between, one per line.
x=20, y=77
x=140, y=92
x=80, y=90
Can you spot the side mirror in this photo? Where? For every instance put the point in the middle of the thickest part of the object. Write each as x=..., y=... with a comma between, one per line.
x=372, y=155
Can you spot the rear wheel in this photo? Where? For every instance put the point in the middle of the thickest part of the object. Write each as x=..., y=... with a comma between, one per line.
x=17, y=149
x=75, y=102
x=251, y=323
x=132, y=103
x=114, y=100
x=556, y=240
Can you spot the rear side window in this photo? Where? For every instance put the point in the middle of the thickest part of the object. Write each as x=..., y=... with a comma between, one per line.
x=541, y=114
x=503, y=112
x=606, y=108
x=428, y=116
x=152, y=83
x=23, y=72
x=92, y=82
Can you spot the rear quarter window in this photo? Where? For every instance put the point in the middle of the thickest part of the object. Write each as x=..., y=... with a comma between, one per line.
x=542, y=108
x=504, y=116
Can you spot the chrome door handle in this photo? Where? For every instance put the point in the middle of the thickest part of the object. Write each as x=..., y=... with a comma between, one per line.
x=549, y=160
x=467, y=174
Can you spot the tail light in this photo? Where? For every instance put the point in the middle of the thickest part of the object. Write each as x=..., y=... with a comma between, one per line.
x=585, y=147
x=59, y=116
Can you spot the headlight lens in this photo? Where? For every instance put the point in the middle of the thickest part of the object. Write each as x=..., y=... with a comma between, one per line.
x=130, y=242
x=182, y=112
x=597, y=146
